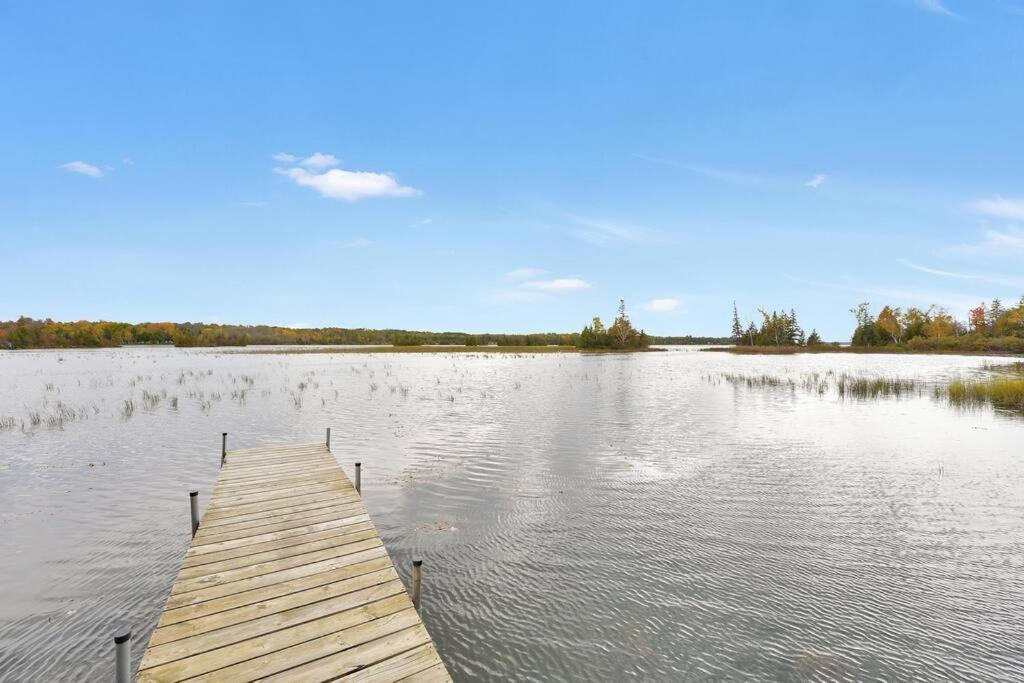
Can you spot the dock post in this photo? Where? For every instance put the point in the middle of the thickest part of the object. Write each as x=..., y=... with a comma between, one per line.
x=359, y=478
x=223, y=447
x=193, y=503
x=123, y=655
x=417, y=582
x=328, y=438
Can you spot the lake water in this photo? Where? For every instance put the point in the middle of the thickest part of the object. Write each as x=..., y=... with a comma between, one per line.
x=589, y=517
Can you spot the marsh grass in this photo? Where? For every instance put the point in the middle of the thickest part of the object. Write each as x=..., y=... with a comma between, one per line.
x=876, y=387
x=1006, y=393
x=844, y=385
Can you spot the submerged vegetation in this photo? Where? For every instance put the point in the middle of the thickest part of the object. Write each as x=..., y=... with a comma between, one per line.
x=842, y=385
x=1004, y=391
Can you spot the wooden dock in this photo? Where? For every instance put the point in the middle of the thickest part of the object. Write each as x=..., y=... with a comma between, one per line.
x=287, y=579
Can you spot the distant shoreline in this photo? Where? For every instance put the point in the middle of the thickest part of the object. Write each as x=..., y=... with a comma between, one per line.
x=883, y=350
x=440, y=349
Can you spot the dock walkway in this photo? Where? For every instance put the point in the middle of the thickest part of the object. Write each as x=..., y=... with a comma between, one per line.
x=287, y=579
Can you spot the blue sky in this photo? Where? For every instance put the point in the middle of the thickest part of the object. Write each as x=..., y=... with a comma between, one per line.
x=495, y=166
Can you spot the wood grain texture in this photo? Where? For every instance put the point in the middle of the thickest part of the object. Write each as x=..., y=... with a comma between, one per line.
x=288, y=579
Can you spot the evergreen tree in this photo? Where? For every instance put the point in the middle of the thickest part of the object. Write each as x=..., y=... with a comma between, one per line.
x=737, y=328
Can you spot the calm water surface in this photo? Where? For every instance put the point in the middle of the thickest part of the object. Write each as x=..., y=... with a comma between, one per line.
x=581, y=517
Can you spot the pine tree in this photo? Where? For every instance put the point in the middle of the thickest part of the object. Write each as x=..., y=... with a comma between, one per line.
x=737, y=328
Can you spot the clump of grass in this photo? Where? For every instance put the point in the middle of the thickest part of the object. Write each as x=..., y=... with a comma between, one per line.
x=845, y=386
x=1004, y=393
x=757, y=381
x=150, y=400
x=127, y=408
x=875, y=387
x=7, y=423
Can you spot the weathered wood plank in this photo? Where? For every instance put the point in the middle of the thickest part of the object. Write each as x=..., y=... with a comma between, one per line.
x=287, y=579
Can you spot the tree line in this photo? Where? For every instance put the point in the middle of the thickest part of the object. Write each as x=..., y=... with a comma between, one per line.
x=992, y=326
x=621, y=334
x=29, y=333
x=777, y=328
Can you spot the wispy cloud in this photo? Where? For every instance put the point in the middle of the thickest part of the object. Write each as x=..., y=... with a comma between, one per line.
x=358, y=243
x=603, y=232
x=713, y=172
x=993, y=244
x=350, y=186
x=318, y=161
x=83, y=168
x=666, y=305
x=285, y=158
x=1010, y=208
x=562, y=284
x=901, y=296
x=524, y=273
x=994, y=279
x=816, y=182
x=936, y=7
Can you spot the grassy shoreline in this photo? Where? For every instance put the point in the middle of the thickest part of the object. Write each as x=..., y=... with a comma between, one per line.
x=904, y=350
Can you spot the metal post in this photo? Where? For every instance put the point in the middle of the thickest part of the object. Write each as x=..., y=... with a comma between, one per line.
x=359, y=478
x=417, y=582
x=193, y=502
x=328, y=438
x=223, y=447
x=123, y=654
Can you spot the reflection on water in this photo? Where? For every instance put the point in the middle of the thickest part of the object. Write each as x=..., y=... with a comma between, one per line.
x=588, y=517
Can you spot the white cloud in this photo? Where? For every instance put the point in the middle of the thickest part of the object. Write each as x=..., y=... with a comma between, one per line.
x=524, y=273
x=83, y=168
x=127, y=162
x=994, y=279
x=994, y=244
x=319, y=161
x=936, y=7
x=350, y=186
x=1001, y=207
x=816, y=182
x=666, y=305
x=954, y=301
x=285, y=158
x=562, y=284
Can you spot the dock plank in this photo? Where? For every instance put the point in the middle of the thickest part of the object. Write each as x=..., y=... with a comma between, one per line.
x=288, y=579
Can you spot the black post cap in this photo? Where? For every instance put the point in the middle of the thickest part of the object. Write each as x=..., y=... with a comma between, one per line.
x=122, y=636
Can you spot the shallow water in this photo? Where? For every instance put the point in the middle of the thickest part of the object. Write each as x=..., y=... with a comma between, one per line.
x=590, y=517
